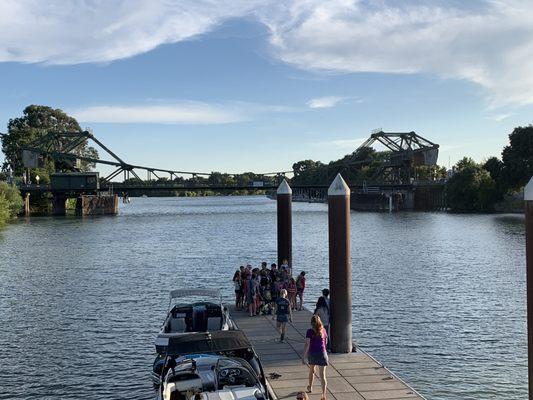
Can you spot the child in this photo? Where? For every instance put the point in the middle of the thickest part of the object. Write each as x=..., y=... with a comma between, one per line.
x=300, y=287
x=283, y=314
x=291, y=290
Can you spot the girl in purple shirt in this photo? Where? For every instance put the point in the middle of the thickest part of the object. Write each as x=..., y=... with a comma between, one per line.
x=315, y=352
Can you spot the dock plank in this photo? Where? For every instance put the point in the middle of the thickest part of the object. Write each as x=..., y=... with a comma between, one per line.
x=353, y=376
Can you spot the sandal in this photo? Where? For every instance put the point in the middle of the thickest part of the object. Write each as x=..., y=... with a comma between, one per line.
x=309, y=389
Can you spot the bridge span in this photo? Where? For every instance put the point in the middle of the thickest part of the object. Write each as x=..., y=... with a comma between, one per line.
x=391, y=187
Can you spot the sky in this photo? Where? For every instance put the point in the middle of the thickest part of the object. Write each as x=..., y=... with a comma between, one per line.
x=236, y=86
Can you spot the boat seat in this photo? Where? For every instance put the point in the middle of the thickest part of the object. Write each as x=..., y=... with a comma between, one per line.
x=177, y=324
x=214, y=323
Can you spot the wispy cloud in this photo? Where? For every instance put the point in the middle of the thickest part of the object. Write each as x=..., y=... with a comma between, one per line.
x=178, y=113
x=324, y=102
x=488, y=42
x=500, y=117
x=161, y=111
x=485, y=42
x=344, y=144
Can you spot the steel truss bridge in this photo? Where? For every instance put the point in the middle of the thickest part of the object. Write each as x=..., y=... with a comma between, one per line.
x=65, y=149
x=405, y=150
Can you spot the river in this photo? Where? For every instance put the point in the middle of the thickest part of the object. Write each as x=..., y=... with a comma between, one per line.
x=438, y=298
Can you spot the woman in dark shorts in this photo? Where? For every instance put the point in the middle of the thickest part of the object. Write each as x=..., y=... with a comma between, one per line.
x=237, y=283
x=315, y=352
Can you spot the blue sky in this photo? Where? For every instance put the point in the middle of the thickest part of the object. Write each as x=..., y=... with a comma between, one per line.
x=240, y=86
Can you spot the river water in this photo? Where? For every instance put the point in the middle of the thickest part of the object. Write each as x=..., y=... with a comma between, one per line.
x=438, y=298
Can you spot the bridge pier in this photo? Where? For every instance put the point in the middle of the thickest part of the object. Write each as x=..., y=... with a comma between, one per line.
x=97, y=205
x=59, y=204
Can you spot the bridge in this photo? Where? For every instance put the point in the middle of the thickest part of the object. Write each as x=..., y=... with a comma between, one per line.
x=390, y=186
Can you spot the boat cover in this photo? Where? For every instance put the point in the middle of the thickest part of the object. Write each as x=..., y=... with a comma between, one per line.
x=203, y=342
x=176, y=293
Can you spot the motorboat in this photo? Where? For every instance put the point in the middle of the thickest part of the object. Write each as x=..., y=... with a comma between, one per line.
x=219, y=365
x=196, y=316
x=204, y=312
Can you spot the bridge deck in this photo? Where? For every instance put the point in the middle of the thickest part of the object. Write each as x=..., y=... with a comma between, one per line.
x=354, y=376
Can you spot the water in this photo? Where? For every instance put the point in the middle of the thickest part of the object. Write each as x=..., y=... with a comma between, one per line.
x=438, y=298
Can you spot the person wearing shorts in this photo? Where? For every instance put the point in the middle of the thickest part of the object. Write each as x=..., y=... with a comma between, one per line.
x=282, y=313
x=315, y=353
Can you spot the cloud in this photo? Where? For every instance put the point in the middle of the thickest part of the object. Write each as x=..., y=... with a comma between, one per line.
x=72, y=32
x=177, y=113
x=345, y=144
x=500, y=117
x=162, y=111
x=324, y=102
x=486, y=42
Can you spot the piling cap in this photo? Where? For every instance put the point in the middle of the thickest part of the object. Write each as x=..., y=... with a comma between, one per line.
x=338, y=187
x=528, y=191
x=284, y=188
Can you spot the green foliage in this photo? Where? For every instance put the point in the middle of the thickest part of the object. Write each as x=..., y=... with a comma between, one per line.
x=10, y=202
x=517, y=157
x=308, y=172
x=4, y=210
x=36, y=122
x=471, y=188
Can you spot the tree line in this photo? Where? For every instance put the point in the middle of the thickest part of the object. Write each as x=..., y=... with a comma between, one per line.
x=478, y=187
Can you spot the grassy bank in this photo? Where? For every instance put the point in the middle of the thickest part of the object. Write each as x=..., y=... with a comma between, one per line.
x=10, y=202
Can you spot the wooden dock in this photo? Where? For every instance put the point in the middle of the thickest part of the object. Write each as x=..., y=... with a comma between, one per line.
x=354, y=376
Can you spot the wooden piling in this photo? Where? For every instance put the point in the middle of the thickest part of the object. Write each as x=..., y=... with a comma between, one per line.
x=528, y=198
x=27, y=211
x=340, y=272
x=284, y=206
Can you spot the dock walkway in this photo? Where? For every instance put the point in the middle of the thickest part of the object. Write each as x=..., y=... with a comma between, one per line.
x=353, y=376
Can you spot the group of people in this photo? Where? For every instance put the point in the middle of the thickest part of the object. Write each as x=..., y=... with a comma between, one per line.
x=258, y=289
x=274, y=291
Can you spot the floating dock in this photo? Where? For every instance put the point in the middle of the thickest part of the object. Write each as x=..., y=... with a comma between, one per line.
x=352, y=376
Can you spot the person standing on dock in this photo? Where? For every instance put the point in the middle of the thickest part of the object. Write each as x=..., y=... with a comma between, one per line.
x=251, y=293
x=237, y=283
x=291, y=289
x=284, y=267
x=300, y=287
x=315, y=353
x=282, y=313
x=322, y=310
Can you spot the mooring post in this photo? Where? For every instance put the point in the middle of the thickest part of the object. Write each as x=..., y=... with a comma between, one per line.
x=340, y=270
x=27, y=205
x=528, y=198
x=284, y=202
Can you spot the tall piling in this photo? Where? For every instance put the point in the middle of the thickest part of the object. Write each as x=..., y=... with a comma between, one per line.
x=284, y=203
x=340, y=271
x=528, y=199
x=27, y=205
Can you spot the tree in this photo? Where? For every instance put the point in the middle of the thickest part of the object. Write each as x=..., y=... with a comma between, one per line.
x=35, y=123
x=471, y=188
x=517, y=157
x=494, y=167
x=308, y=172
x=10, y=202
